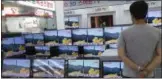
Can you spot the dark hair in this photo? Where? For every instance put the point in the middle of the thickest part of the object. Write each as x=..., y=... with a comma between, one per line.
x=139, y=9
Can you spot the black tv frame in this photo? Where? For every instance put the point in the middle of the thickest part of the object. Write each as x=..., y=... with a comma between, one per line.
x=51, y=30
x=102, y=70
x=47, y=59
x=86, y=36
x=16, y=60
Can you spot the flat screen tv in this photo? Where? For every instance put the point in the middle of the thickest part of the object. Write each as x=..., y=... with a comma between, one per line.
x=95, y=36
x=50, y=37
x=79, y=36
x=38, y=39
x=91, y=68
x=64, y=37
x=19, y=47
x=89, y=51
x=28, y=37
x=75, y=68
x=8, y=47
x=99, y=49
x=42, y=50
x=48, y=68
x=93, y=51
x=14, y=68
x=111, y=69
x=111, y=34
x=68, y=51
x=154, y=17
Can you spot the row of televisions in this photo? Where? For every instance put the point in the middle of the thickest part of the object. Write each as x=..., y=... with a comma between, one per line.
x=61, y=68
x=63, y=51
x=91, y=36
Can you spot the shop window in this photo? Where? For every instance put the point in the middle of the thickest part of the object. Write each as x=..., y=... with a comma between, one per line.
x=72, y=22
x=101, y=21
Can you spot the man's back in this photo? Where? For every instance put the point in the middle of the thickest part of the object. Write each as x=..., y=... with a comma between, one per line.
x=140, y=43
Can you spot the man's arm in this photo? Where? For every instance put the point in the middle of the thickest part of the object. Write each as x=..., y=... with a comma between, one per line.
x=122, y=55
x=155, y=62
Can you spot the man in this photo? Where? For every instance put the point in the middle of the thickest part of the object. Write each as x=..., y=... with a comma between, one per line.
x=139, y=46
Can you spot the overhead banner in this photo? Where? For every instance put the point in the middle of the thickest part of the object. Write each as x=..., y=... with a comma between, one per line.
x=47, y=5
x=81, y=4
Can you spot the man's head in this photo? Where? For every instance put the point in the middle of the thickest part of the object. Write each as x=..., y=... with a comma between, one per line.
x=139, y=10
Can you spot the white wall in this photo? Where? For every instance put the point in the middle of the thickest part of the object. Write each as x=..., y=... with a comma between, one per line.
x=60, y=14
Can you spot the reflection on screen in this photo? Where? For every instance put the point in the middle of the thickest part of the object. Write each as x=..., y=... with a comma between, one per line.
x=68, y=51
x=91, y=68
x=48, y=68
x=7, y=46
x=111, y=69
x=51, y=37
x=42, y=50
x=79, y=36
x=75, y=68
x=16, y=68
x=111, y=34
x=95, y=36
x=126, y=27
x=65, y=37
x=38, y=39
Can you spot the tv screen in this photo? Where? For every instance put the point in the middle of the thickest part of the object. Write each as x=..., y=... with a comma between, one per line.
x=42, y=50
x=99, y=50
x=48, y=68
x=28, y=39
x=112, y=34
x=79, y=36
x=19, y=47
x=154, y=17
x=64, y=37
x=111, y=69
x=91, y=68
x=89, y=51
x=75, y=68
x=95, y=36
x=16, y=68
x=8, y=47
x=51, y=38
x=68, y=51
x=38, y=39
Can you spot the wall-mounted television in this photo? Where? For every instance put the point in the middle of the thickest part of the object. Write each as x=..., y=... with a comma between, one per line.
x=111, y=34
x=50, y=37
x=68, y=51
x=154, y=17
x=16, y=68
x=95, y=36
x=64, y=37
x=38, y=38
x=75, y=68
x=111, y=69
x=19, y=46
x=42, y=50
x=79, y=36
x=91, y=68
x=28, y=37
x=8, y=47
x=93, y=51
x=48, y=68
